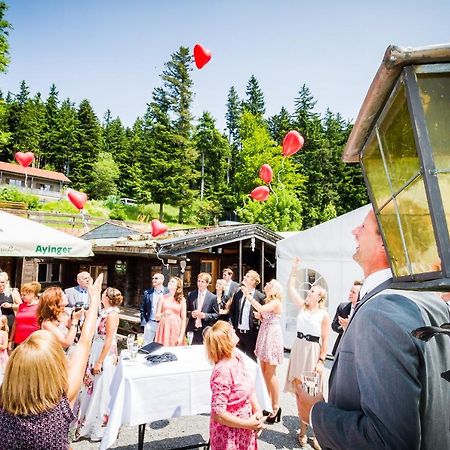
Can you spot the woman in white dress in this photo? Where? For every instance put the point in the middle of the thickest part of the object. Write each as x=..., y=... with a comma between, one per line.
x=94, y=397
x=310, y=347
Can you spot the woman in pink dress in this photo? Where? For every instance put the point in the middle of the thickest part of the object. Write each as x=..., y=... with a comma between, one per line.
x=236, y=417
x=171, y=313
x=269, y=345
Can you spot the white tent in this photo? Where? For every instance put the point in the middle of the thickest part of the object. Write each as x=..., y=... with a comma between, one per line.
x=326, y=251
x=25, y=238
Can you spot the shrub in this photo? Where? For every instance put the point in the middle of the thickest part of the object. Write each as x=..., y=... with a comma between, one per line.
x=12, y=194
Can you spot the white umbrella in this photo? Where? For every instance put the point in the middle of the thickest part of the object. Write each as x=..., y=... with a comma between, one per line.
x=23, y=237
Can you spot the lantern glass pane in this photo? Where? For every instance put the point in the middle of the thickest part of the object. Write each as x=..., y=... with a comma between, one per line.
x=408, y=231
x=434, y=89
x=398, y=144
x=376, y=175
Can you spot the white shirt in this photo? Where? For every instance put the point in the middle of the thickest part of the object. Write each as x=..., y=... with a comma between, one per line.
x=155, y=297
x=374, y=280
x=245, y=318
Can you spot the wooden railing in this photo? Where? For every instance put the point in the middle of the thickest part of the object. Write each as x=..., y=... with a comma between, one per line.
x=75, y=224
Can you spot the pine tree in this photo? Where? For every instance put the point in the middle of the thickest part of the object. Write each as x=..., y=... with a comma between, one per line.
x=232, y=116
x=115, y=142
x=65, y=139
x=49, y=145
x=163, y=174
x=255, y=102
x=89, y=146
x=177, y=90
x=279, y=125
x=316, y=161
x=214, y=153
x=25, y=121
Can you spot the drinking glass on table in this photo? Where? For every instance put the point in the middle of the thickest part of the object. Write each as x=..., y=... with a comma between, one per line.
x=130, y=341
x=134, y=351
x=140, y=339
x=190, y=336
x=310, y=382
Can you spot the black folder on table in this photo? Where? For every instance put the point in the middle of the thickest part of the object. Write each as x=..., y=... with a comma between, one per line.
x=150, y=348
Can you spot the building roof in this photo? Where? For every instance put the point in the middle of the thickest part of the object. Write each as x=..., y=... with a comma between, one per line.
x=178, y=243
x=109, y=230
x=33, y=172
x=395, y=58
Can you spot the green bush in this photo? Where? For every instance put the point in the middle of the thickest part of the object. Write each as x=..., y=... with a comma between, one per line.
x=202, y=212
x=118, y=213
x=12, y=194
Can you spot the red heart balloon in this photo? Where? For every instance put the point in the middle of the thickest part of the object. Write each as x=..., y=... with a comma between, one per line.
x=266, y=173
x=158, y=227
x=292, y=143
x=261, y=193
x=24, y=159
x=78, y=199
x=201, y=56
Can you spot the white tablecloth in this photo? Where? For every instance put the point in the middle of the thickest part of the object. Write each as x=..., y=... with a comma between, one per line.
x=143, y=393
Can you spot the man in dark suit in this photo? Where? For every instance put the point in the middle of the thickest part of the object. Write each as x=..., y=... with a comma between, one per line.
x=385, y=388
x=202, y=308
x=242, y=313
x=343, y=313
x=232, y=286
x=148, y=306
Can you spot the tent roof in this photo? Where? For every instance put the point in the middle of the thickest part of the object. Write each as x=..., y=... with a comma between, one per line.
x=26, y=238
x=330, y=240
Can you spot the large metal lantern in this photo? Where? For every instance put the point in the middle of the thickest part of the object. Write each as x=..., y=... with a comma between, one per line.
x=402, y=140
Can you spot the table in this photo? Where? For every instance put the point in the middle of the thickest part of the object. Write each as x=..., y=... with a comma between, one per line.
x=143, y=393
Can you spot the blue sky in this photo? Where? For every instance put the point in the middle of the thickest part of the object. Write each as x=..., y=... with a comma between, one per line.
x=112, y=52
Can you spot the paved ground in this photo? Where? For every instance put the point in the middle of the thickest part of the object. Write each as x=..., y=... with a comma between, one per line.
x=169, y=434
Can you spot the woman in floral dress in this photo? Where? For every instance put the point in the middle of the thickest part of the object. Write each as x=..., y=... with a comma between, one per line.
x=236, y=417
x=269, y=345
x=95, y=396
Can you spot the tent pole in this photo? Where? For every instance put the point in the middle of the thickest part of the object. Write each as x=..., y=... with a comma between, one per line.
x=240, y=261
x=262, y=264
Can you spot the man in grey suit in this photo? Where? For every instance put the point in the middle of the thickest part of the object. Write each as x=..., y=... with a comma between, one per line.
x=385, y=388
x=79, y=293
x=202, y=308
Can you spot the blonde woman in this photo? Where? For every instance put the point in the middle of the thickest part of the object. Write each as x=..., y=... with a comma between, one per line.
x=95, y=393
x=310, y=347
x=269, y=344
x=235, y=414
x=221, y=287
x=37, y=412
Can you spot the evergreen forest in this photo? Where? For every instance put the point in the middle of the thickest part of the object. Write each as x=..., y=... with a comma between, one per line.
x=169, y=157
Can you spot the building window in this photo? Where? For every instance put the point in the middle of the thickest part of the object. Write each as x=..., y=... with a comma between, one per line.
x=17, y=183
x=49, y=273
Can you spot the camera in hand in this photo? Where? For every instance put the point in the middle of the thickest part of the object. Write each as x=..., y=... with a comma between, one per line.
x=80, y=305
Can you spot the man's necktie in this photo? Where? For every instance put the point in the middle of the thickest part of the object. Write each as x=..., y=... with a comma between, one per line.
x=200, y=298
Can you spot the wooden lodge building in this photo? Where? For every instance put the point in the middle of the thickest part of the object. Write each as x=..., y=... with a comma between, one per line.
x=128, y=258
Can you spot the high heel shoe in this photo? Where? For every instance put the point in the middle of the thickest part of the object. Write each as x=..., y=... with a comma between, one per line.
x=275, y=418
